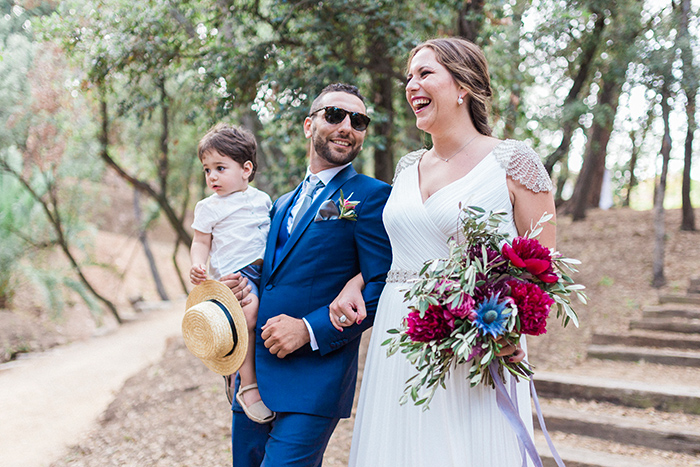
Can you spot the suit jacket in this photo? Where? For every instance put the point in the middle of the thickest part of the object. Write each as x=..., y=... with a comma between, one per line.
x=310, y=270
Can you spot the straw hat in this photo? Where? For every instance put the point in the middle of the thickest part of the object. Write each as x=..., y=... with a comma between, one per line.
x=214, y=327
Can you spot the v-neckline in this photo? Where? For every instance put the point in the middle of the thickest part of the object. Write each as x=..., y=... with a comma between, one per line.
x=420, y=192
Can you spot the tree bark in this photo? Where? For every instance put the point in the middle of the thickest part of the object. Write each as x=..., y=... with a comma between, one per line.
x=52, y=213
x=590, y=180
x=143, y=238
x=636, y=149
x=161, y=198
x=584, y=70
x=689, y=84
x=471, y=19
x=382, y=97
x=511, y=111
x=658, y=278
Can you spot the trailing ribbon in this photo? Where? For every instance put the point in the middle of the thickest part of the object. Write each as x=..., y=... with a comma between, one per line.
x=510, y=411
x=555, y=454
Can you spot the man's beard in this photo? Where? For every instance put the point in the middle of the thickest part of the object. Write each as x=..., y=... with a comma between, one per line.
x=323, y=149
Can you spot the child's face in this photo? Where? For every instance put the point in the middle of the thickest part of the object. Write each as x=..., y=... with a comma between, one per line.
x=224, y=175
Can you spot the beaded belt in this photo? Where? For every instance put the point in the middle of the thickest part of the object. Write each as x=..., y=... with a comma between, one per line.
x=401, y=275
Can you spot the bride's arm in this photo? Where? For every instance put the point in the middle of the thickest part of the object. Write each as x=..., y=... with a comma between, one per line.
x=528, y=208
x=349, y=303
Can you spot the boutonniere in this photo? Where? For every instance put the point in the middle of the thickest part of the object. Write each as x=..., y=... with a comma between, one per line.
x=347, y=207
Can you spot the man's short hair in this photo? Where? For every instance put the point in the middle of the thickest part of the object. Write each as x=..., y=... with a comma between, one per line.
x=336, y=87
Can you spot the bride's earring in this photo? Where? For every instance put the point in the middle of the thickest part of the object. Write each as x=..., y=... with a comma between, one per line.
x=460, y=101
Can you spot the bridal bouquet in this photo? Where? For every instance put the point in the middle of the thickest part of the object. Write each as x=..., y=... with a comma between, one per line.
x=483, y=297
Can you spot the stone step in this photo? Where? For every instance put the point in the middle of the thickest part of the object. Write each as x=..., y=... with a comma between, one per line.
x=656, y=339
x=661, y=394
x=690, y=299
x=628, y=429
x=576, y=451
x=667, y=325
x=636, y=354
x=694, y=287
x=672, y=310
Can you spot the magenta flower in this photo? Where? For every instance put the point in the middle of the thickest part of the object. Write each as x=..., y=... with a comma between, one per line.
x=533, y=305
x=529, y=254
x=463, y=308
x=434, y=325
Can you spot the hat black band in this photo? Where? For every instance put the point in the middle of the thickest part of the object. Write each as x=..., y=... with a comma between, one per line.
x=230, y=322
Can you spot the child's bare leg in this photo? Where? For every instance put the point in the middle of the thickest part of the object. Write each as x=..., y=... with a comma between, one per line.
x=247, y=370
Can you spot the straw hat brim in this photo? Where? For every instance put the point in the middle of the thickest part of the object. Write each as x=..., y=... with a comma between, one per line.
x=196, y=327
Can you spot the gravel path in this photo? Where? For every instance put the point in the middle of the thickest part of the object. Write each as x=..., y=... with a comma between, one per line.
x=52, y=399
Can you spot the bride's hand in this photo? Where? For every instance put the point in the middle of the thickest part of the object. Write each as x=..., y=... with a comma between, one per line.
x=349, y=305
x=516, y=353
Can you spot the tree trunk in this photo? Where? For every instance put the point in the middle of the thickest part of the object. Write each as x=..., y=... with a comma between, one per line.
x=382, y=97
x=636, y=149
x=658, y=278
x=570, y=121
x=471, y=19
x=160, y=198
x=632, y=166
x=177, y=266
x=52, y=213
x=511, y=112
x=590, y=180
x=163, y=165
x=690, y=85
x=143, y=238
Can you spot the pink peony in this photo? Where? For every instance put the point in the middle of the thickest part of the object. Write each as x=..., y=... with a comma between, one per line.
x=533, y=306
x=436, y=324
x=462, y=310
x=529, y=254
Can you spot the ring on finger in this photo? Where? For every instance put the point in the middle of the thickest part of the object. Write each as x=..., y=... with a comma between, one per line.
x=342, y=318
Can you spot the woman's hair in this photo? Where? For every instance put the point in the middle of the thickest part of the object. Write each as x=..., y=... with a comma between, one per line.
x=467, y=64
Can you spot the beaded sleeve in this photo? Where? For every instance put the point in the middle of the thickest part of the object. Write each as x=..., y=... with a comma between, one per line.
x=406, y=161
x=523, y=165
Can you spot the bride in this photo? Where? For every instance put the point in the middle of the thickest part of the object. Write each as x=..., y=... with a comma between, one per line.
x=449, y=91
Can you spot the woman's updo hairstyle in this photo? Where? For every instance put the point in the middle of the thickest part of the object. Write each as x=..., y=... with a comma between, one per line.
x=467, y=64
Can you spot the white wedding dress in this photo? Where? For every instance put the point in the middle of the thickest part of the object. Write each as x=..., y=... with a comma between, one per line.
x=463, y=427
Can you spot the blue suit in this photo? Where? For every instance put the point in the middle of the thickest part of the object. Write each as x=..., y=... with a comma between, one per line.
x=311, y=390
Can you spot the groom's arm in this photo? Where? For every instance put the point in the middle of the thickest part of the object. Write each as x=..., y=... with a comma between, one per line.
x=374, y=257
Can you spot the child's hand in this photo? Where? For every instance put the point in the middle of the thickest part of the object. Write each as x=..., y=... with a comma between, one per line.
x=198, y=274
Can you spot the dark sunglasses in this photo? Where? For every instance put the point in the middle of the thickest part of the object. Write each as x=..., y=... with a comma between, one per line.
x=335, y=115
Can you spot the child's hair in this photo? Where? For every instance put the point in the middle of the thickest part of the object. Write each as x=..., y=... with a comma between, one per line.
x=231, y=141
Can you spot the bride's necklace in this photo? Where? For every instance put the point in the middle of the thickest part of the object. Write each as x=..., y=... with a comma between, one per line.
x=458, y=150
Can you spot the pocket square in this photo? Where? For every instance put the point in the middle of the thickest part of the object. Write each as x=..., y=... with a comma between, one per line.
x=328, y=211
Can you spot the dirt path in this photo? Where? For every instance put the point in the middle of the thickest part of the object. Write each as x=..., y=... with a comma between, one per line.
x=52, y=400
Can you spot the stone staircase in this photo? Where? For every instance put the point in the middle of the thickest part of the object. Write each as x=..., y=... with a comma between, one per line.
x=635, y=402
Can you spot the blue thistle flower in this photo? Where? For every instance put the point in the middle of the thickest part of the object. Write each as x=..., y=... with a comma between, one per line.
x=491, y=316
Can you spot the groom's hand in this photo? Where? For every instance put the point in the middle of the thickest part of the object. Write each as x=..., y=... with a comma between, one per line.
x=239, y=286
x=283, y=335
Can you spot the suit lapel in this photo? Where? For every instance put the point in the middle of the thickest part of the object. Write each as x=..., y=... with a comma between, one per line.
x=328, y=192
x=279, y=221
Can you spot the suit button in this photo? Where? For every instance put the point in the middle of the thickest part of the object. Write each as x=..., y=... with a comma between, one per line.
x=269, y=287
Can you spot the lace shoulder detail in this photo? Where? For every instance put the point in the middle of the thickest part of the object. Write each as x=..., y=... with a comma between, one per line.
x=407, y=160
x=523, y=165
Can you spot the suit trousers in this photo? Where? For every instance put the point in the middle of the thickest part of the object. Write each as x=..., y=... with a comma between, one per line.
x=291, y=440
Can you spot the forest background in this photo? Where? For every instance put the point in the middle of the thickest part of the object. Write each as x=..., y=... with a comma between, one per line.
x=99, y=97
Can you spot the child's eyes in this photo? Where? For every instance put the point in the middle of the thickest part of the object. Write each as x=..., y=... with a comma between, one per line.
x=206, y=171
x=221, y=168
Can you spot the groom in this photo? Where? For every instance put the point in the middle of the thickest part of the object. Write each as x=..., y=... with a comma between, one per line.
x=306, y=368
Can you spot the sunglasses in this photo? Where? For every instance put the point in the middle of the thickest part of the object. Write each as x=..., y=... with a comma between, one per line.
x=335, y=115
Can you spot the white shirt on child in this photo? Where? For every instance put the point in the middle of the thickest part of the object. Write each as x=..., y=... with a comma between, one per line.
x=239, y=224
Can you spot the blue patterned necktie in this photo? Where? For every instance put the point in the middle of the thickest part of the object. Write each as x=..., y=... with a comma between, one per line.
x=307, y=197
